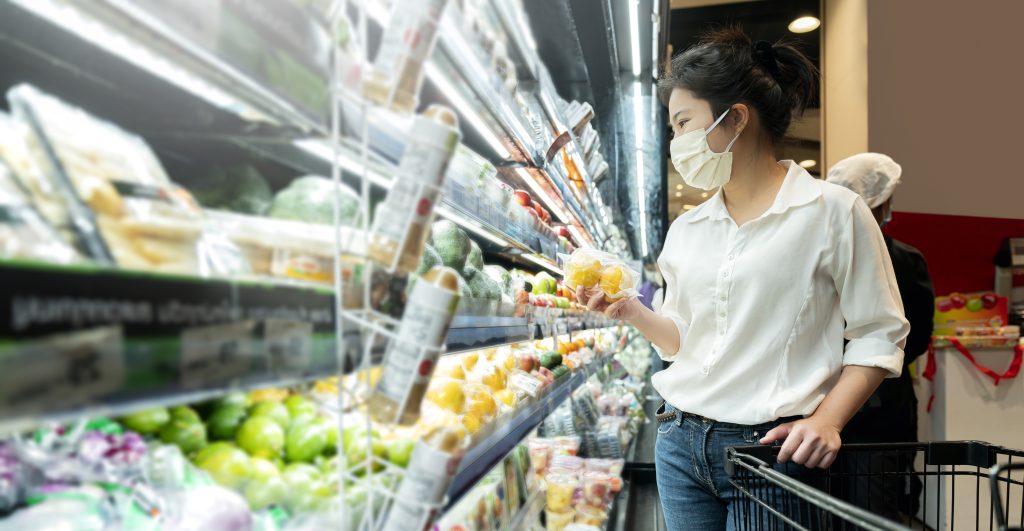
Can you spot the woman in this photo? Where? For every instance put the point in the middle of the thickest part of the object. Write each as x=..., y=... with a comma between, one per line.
x=764, y=281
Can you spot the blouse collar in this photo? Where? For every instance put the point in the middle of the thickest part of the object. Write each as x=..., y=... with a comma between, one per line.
x=798, y=188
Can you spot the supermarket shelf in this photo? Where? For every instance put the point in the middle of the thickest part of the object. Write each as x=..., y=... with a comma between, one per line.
x=86, y=339
x=529, y=512
x=92, y=340
x=489, y=451
x=120, y=41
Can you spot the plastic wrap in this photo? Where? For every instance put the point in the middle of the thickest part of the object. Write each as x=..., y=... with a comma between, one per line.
x=598, y=270
x=110, y=180
x=24, y=233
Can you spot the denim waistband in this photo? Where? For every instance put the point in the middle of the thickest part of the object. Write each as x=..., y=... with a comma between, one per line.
x=667, y=413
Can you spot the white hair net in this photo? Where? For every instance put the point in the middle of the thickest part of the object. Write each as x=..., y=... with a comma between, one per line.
x=872, y=175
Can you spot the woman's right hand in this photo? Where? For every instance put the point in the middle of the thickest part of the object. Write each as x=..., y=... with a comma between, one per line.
x=625, y=309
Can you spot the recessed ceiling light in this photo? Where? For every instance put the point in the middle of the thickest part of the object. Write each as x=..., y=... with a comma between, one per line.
x=689, y=207
x=704, y=195
x=809, y=163
x=804, y=24
x=679, y=194
x=679, y=187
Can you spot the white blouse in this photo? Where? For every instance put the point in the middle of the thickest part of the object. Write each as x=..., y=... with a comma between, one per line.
x=763, y=309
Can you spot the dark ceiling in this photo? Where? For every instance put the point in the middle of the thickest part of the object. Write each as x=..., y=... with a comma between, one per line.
x=762, y=20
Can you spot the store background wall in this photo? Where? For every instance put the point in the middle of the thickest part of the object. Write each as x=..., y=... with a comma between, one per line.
x=944, y=92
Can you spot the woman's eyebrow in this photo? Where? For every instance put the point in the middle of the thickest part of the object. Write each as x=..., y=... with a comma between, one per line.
x=677, y=113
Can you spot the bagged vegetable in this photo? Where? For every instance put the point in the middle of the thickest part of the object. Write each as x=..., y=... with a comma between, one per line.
x=311, y=199
x=598, y=270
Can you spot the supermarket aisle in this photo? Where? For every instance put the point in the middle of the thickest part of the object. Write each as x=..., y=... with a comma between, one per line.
x=640, y=506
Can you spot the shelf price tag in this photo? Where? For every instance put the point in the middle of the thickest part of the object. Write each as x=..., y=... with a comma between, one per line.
x=215, y=355
x=288, y=345
x=61, y=371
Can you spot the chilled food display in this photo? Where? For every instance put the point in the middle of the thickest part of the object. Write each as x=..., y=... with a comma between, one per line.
x=318, y=286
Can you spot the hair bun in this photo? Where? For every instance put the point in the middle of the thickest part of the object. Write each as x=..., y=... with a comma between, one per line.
x=764, y=55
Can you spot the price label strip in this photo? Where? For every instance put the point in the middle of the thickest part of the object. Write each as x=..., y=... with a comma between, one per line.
x=216, y=355
x=61, y=371
x=288, y=345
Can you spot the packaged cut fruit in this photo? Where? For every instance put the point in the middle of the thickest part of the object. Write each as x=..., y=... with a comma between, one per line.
x=122, y=205
x=560, y=490
x=598, y=270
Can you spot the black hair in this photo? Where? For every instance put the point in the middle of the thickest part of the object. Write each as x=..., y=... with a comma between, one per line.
x=725, y=67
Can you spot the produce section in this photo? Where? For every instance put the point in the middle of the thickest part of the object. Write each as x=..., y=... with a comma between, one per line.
x=304, y=293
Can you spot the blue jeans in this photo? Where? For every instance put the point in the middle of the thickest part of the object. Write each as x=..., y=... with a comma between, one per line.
x=695, y=490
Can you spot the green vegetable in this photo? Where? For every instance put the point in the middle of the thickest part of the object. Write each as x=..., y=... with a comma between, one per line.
x=228, y=465
x=464, y=291
x=481, y=285
x=238, y=188
x=184, y=413
x=560, y=371
x=311, y=199
x=400, y=451
x=147, y=420
x=550, y=360
x=297, y=405
x=224, y=422
x=501, y=276
x=187, y=435
x=275, y=410
x=476, y=256
x=264, y=492
x=430, y=259
x=260, y=437
x=452, y=244
x=305, y=441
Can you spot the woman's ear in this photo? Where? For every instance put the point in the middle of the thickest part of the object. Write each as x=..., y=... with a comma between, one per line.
x=739, y=118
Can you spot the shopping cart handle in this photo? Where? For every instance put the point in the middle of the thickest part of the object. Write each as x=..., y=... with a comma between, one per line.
x=757, y=455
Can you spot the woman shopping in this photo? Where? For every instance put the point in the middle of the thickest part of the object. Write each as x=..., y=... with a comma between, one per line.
x=763, y=282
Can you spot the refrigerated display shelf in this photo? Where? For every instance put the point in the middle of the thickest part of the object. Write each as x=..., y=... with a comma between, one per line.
x=529, y=512
x=88, y=339
x=119, y=41
x=508, y=433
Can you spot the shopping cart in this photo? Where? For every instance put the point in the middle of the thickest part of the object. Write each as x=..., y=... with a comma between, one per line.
x=936, y=485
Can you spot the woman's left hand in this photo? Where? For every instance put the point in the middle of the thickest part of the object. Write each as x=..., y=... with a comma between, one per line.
x=811, y=442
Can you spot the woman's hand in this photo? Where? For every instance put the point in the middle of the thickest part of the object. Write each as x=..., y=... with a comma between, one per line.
x=811, y=442
x=624, y=309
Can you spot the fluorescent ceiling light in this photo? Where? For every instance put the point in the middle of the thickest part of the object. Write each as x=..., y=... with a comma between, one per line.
x=689, y=207
x=538, y=191
x=804, y=24
x=679, y=187
x=809, y=163
x=655, y=26
x=345, y=161
x=638, y=110
x=641, y=199
x=679, y=194
x=468, y=112
x=634, y=32
x=470, y=225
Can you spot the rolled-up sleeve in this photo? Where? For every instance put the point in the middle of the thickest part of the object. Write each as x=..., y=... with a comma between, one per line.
x=876, y=329
x=669, y=307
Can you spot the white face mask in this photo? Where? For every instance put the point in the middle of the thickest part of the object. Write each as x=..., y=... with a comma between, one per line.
x=694, y=160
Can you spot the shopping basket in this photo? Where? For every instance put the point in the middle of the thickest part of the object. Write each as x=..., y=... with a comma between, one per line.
x=895, y=486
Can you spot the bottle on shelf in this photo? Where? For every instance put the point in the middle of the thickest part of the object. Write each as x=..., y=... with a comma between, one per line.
x=412, y=354
x=408, y=40
x=403, y=219
x=432, y=466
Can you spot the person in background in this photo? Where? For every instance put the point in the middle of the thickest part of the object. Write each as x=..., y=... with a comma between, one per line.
x=651, y=284
x=890, y=415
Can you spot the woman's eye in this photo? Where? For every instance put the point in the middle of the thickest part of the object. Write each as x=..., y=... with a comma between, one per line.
x=682, y=124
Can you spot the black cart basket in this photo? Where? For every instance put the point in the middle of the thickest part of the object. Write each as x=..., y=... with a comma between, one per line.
x=898, y=486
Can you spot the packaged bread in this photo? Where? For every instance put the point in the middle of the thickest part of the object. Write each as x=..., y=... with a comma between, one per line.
x=111, y=182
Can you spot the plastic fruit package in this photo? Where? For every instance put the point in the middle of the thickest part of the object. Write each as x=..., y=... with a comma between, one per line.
x=561, y=488
x=598, y=270
x=558, y=520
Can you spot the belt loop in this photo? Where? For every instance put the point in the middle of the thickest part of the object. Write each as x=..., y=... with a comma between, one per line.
x=679, y=418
